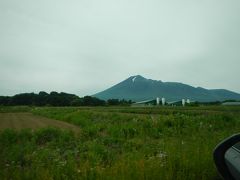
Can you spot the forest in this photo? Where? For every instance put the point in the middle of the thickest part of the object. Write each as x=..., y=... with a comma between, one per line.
x=56, y=99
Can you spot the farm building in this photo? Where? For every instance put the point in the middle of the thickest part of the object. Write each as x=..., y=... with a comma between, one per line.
x=162, y=102
x=231, y=104
x=144, y=103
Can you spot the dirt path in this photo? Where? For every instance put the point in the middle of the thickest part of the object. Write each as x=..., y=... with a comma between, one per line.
x=27, y=120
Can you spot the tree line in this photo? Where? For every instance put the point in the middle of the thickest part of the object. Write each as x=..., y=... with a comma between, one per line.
x=57, y=99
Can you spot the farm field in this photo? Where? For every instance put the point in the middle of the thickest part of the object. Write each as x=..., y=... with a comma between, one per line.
x=25, y=120
x=113, y=142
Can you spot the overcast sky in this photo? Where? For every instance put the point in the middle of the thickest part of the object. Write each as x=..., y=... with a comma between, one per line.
x=86, y=46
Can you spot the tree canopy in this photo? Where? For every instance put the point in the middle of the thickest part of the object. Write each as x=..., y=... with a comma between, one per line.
x=56, y=99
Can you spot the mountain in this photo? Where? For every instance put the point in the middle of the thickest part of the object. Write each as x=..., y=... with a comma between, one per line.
x=138, y=88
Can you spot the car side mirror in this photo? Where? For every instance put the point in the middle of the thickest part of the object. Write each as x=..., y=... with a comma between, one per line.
x=227, y=158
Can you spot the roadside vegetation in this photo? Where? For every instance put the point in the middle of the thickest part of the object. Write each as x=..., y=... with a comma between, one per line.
x=119, y=143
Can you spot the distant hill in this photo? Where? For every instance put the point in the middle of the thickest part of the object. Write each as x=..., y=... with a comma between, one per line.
x=138, y=88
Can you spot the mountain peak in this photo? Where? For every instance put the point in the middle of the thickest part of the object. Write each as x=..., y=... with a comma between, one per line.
x=140, y=78
x=137, y=77
x=138, y=88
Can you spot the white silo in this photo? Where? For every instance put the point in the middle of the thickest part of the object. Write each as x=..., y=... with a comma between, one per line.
x=163, y=101
x=183, y=102
x=158, y=101
x=188, y=101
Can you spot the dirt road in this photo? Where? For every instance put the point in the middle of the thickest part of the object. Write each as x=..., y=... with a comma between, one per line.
x=27, y=120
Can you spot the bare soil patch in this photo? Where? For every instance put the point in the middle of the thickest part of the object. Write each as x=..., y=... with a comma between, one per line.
x=27, y=120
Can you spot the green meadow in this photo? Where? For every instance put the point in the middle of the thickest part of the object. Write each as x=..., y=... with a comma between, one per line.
x=118, y=143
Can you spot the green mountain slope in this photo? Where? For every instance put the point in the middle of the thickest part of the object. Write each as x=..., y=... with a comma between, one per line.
x=138, y=88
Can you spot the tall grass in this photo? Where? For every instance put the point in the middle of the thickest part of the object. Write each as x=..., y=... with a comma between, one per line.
x=119, y=143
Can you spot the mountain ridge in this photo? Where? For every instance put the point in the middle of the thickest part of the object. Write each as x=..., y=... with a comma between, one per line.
x=139, y=88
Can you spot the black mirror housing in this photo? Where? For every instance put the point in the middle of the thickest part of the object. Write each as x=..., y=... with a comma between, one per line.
x=227, y=158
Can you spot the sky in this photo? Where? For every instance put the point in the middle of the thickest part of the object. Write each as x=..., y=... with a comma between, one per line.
x=86, y=46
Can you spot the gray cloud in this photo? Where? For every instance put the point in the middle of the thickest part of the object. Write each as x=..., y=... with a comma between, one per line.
x=86, y=46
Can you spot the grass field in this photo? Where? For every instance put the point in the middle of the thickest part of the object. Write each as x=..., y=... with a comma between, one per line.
x=114, y=142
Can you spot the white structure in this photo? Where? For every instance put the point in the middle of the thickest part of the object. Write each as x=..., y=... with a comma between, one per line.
x=163, y=101
x=183, y=102
x=231, y=104
x=188, y=101
x=158, y=101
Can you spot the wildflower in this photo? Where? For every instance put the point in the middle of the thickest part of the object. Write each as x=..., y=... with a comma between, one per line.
x=161, y=155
